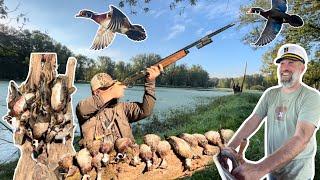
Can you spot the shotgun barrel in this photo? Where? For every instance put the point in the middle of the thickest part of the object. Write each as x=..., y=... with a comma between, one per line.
x=177, y=55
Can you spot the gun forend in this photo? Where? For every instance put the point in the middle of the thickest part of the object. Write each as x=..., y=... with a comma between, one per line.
x=172, y=58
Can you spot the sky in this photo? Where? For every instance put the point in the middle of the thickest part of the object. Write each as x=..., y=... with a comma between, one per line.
x=167, y=31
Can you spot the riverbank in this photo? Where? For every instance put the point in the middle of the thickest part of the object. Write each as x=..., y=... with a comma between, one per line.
x=221, y=112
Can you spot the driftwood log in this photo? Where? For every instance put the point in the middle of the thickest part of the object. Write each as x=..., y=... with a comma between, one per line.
x=40, y=112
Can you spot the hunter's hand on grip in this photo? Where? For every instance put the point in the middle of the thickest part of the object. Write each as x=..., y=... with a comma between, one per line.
x=153, y=72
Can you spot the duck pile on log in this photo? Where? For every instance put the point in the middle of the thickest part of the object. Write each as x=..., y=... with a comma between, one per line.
x=40, y=113
x=140, y=161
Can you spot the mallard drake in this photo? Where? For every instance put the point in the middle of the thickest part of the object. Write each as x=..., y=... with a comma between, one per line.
x=111, y=22
x=275, y=16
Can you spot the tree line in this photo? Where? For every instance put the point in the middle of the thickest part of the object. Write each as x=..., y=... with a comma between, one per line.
x=16, y=46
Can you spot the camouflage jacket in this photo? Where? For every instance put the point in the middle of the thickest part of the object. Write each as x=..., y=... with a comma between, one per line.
x=97, y=121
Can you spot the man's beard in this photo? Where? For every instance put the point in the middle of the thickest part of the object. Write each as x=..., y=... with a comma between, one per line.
x=291, y=80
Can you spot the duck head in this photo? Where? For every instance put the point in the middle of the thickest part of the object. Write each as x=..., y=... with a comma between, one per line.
x=85, y=14
x=13, y=94
x=255, y=10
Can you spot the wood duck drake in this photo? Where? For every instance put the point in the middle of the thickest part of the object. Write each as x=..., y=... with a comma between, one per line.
x=111, y=22
x=275, y=16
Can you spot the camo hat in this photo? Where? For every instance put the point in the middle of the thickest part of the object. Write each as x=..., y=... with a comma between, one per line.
x=101, y=80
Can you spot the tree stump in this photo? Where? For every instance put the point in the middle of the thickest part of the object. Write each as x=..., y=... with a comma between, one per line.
x=40, y=113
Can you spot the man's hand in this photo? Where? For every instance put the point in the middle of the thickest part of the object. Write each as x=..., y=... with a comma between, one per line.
x=115, y=91
x=248, y=171
x=224, y=160
x=154, y=72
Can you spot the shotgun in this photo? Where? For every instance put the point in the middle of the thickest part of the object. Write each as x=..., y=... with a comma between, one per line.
x=177, y=55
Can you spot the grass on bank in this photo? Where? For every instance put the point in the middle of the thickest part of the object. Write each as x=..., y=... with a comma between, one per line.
x=222, y=112
x=7, y=170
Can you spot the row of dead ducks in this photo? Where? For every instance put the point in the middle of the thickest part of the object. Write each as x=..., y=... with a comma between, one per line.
x=40, y=115
x=99, y=153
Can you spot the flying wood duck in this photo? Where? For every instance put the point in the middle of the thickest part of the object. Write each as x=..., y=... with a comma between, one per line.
x=275, y=16
x=111, y=22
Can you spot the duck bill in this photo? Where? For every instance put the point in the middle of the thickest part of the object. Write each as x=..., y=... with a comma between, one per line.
x=78, y=15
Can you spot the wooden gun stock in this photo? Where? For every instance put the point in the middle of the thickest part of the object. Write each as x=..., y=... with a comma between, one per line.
x=165, y=62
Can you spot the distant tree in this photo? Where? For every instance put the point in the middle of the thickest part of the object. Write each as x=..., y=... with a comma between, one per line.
x=16, y=46
x=213, y=82
x=106, y=65
x=142, y=61
x=122, y=70
x=312, y=75
x=198, y=76
x=81, y=67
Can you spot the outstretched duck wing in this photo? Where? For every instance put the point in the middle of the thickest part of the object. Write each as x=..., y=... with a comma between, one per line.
x=280, y=5
x=270, y=32
x=102, y=39
x=118, y=19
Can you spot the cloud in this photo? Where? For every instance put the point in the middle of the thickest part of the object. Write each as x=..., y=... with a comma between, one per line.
x=175, y=30
x=199, y=32
x=216, y=10
x=158, y=13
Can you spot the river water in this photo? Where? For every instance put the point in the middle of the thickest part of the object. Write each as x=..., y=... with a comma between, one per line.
x=167, y=99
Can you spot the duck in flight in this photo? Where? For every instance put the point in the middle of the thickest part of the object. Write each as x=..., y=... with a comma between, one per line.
x=275, y=16
x=111, y=22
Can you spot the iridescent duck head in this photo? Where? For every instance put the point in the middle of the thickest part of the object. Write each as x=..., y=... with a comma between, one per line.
x=255, y=10
x=85, y=14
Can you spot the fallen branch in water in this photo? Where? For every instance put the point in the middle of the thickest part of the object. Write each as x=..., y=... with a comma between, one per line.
x=6, y=127
x=6, y=141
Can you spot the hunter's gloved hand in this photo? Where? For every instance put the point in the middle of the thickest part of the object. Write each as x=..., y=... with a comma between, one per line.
x=154, y=72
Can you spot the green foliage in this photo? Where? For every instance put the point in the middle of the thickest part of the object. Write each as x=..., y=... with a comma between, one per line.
x=7, y=170
x=16, y=46
x=312, y=75
x=307, y=36
x=258, y=87
x=250, y=82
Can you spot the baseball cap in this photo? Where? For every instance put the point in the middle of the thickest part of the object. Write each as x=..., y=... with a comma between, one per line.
x=101, y=80
x=292, y=52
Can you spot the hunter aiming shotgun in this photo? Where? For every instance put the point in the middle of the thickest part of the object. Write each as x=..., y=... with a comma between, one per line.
x=177, y=55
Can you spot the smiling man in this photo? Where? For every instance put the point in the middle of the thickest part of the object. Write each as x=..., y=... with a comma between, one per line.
x=293, y=113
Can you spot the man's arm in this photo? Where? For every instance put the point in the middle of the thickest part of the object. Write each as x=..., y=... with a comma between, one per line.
x=294, y=146
x=287, y=152
x=245, y=130
x=136, y=110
